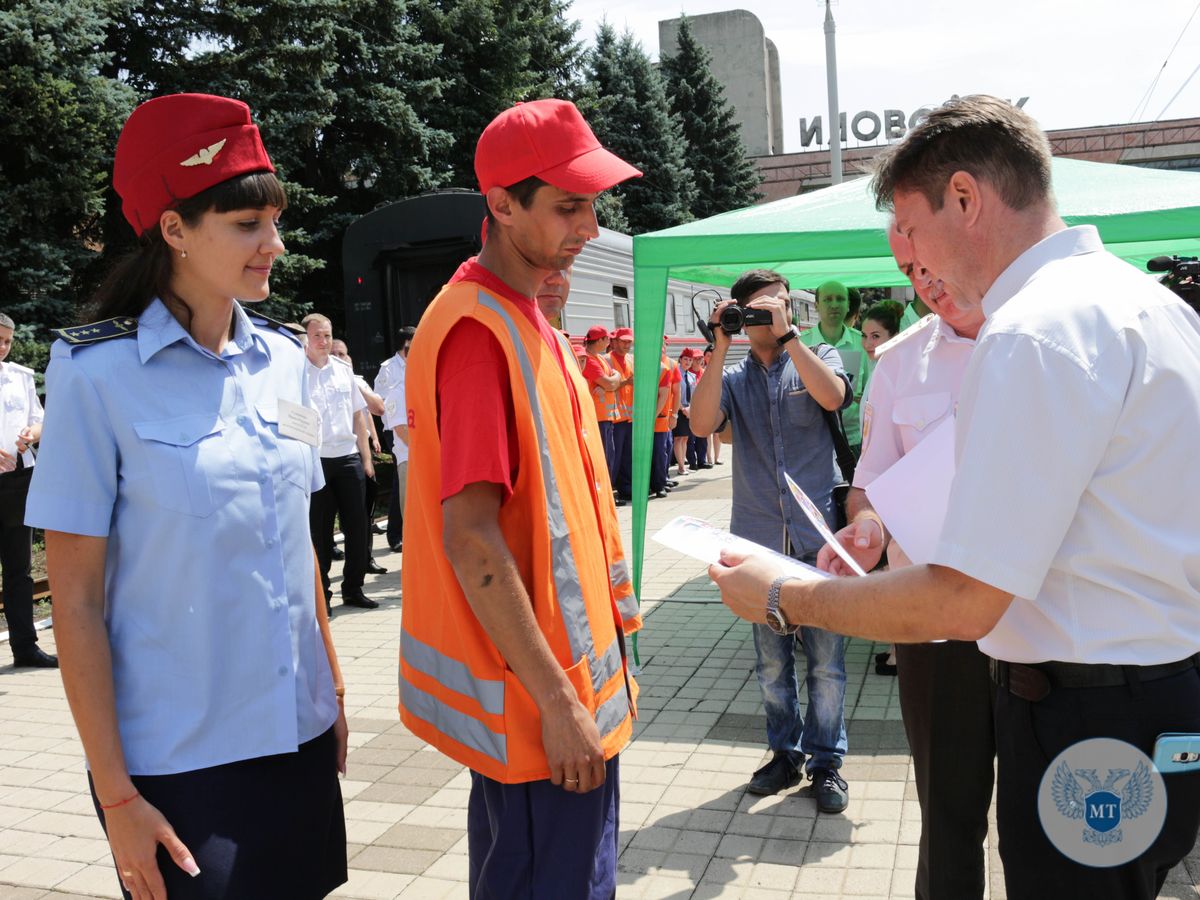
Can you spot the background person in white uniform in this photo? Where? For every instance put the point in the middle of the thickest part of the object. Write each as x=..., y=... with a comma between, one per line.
x=389, y=383
x=20, y=429
x=1071, y=545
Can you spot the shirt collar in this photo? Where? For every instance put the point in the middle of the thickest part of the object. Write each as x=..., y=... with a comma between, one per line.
x=943, y=332
x=1060, y=245
x=157, y=329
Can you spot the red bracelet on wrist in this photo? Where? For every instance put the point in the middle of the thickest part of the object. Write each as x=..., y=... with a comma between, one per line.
x=122, y=802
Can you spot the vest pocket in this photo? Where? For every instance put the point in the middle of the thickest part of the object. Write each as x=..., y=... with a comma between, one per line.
x=580, y=676
x=186, y=457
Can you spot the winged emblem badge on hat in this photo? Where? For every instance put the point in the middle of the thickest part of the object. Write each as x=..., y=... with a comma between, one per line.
x=205, y=155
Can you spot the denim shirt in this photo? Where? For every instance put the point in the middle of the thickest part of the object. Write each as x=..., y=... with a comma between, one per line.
x=174, y=455
x=778, y=427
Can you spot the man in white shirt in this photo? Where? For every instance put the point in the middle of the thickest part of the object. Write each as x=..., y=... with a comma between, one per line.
x=945, y=690
x=345, y=459
x=1071, y=545
x=20, y=429
x=389, y=384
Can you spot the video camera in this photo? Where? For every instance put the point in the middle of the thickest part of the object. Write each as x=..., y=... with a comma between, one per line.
x=734, y=318
x=1182, y=277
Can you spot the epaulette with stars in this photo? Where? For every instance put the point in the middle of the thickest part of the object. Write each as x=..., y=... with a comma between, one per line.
x=81, y=335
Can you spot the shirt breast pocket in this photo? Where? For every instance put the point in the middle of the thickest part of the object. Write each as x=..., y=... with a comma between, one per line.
x=295, y=456
x=916, y=416
x=799, y=408
x=188, y=460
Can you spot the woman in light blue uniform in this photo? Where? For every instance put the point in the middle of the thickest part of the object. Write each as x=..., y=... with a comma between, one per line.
x=177, y=462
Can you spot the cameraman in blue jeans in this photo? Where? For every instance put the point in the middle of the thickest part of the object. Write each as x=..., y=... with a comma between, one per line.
x=774, y=400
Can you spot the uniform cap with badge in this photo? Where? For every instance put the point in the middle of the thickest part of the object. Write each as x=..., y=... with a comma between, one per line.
x=176, y=146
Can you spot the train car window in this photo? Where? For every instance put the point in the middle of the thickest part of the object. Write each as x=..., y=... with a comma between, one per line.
x=669, y=324
x=620, y=295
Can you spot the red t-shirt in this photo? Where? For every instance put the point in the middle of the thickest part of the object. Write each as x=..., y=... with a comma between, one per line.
x=475, y=405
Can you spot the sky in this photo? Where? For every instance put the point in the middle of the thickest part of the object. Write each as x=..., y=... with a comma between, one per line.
x=1080, y=62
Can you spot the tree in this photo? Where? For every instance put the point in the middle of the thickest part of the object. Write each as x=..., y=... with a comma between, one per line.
x=492, y=54
x=626, y=103
x=59, y=121
x=725, y=178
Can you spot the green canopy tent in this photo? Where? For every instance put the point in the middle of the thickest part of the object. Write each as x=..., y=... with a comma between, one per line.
x=836, y=232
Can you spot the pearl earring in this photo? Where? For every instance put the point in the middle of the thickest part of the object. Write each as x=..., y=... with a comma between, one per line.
x=183, y=254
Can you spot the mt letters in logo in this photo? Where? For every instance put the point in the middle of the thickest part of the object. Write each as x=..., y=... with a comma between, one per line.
x=1102, y=803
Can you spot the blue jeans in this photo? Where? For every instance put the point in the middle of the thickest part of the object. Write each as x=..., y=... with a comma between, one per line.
x=821, y=734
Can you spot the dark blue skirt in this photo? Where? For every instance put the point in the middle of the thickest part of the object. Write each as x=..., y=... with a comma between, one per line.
x=271, y=827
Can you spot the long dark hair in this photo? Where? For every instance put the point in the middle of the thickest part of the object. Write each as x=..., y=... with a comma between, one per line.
x=145, y=272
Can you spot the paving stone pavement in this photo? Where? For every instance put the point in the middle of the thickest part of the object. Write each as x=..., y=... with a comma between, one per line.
x=688, y=829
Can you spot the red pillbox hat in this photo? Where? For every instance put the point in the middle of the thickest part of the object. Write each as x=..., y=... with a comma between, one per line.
x=549, y=139
x=174, y=147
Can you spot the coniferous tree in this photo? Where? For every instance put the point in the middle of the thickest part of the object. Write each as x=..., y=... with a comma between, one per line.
x=626, y=103
x=724, y=176
x=59, y=121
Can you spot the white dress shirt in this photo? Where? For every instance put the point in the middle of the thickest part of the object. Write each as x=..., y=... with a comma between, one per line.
x=19, y=407
x=914, y=387
x=389, y=384
x=1076, y=483
x=336, y=398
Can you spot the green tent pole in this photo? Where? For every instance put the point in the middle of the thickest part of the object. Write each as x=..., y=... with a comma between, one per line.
x=649, y=312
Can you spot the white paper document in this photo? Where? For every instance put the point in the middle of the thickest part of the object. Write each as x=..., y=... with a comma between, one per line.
x=913, y=495
x=818, y=522
x=700, y=540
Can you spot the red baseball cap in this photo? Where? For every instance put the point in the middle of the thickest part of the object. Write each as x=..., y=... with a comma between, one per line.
x=174, y=147
x=623, y=334
x=549, y=139
x=596, y=332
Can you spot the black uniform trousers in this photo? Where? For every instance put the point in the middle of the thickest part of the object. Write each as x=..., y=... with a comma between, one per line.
x=1030, y=735
x=946, y=698
x=16, y=560
x=343, y=497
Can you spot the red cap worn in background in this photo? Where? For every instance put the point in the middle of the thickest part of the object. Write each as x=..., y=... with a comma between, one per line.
x=596, y=332
x=549, y=139
x=623, y=334
x=174, y=147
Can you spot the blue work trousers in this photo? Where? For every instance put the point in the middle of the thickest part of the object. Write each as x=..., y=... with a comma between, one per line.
x=658, y=461
x=820, y=734
x=606, y=440
x=536, y=841
x=621, y=471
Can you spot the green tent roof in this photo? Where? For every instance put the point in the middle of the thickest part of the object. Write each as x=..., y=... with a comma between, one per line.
x=836, y=232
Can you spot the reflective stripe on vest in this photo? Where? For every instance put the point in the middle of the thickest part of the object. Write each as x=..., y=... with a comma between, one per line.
x=627, y=604
x=452, y=674
x=566, y=576
x=465, y=729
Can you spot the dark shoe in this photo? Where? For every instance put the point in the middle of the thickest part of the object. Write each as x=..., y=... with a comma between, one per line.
x=621, y=501
x=359, y=599
x=396, y=548
x=37, y=658
x=659, y=495
x=376, y=528
x=777, y=775
x=328, y=610
x=885, y=668
x=337, y=553
x=709, y=465
x=882, y=657
x=830, y=789
x=375, y=568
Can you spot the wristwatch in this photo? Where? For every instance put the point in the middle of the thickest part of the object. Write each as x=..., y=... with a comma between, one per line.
x=792, y=334
x=775, y=620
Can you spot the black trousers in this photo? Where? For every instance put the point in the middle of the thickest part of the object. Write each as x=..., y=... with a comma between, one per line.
x=1030, y=735
x=395, y=522
x=342, y=496
x=370, y=492
x=658, y=460
x=697, y=451
x=16, y=561
x=946, y=698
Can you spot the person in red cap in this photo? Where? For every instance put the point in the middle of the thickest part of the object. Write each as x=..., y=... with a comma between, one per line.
x=622, y=363
x=552, y=294
x=512, y=654
x=682, y=431
x=178, y=456
x=603, y=382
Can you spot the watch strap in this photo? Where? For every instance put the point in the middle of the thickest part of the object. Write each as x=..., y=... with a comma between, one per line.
x=773, y=596
x=791, y=335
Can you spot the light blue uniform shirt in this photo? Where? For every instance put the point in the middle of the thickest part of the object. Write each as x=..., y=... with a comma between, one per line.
x=174, y=455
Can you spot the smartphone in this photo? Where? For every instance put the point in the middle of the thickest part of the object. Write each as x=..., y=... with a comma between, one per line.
x=1177, y=753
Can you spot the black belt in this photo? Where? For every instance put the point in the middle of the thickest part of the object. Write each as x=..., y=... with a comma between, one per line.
x=1034, y=681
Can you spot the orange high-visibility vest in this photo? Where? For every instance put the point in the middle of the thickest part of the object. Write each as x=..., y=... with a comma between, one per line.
x=624, y=367
x=605, y=401
x=456, y=692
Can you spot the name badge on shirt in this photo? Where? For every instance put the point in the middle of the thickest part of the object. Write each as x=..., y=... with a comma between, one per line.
x=299, y=422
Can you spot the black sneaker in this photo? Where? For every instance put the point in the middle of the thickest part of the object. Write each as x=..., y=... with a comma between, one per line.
x=830, y=789
x=777, y=775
